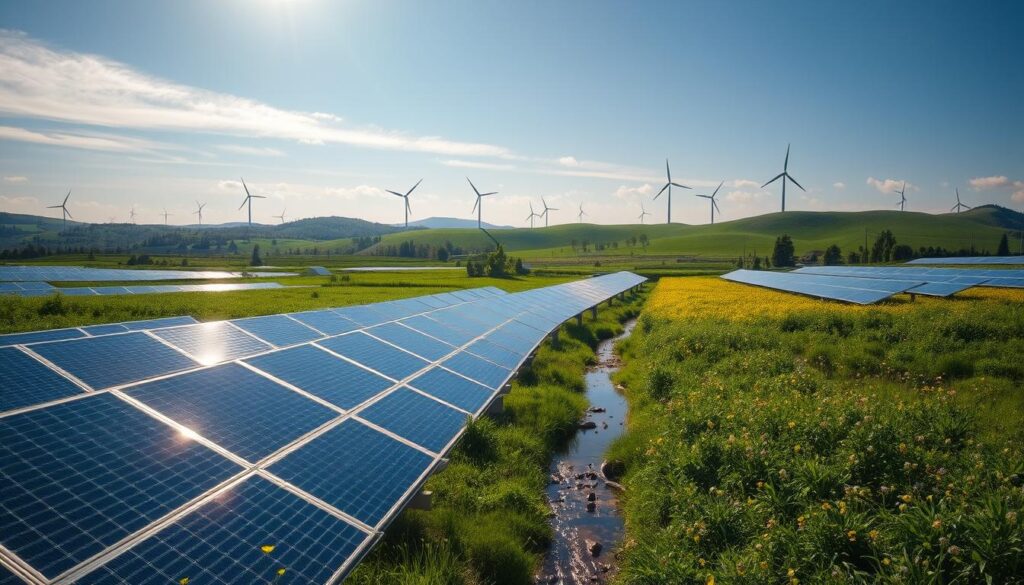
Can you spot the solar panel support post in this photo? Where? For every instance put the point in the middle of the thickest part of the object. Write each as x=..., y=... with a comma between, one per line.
x=913, y=297
x=593, y=312
x=496, y=407
x=424, y=500
x=579, y=319
x=554, y=339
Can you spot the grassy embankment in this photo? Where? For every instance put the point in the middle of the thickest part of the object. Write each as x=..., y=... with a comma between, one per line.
x=779, y=439
x=489, y=521
x=30, y=314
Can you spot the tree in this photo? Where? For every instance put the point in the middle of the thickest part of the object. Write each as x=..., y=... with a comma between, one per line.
x=1004, y=246
x=497, y=264
x=256, y=260
x=882, y=249
x=442, y=254
x=784, y=252
x=833, y=256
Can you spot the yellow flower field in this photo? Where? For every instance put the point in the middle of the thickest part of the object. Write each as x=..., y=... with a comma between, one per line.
x=708, y=296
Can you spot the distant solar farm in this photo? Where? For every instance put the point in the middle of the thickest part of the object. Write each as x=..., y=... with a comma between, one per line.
x=216, y=428
x=867, y=285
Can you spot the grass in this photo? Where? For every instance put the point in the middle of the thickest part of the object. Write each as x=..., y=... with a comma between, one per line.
x=489, y=521
x=778, y=439
x=34, y=313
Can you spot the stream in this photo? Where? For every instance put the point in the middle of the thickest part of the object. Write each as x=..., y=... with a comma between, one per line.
x=585, y=513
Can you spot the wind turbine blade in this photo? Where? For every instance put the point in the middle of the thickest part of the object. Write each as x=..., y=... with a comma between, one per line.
x=474, y=187
x=68, y=212
x=54, y=206
x=785, y=165
x=668, y=172
x=795, y=183
x=715, y=203
x=475, y=203
x=680, y=186
x=773, y=180
x=244, y=201
x=491, y=193
x=954, y=207
x=413, y=187
x=662, y=190
x=544, y=203
x=716, y=190
x=962, y=204
x=66, y=197
x=246, y=187
x=394, y=193
x=408, y=208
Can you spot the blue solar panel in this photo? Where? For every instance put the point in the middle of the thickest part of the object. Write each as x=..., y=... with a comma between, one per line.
x=238, y=409
x=417, y=418
x=326, y=321
x=488, y=374
x=26, y=381
x=457, y=318
x=78, y=292
x=456, y=390
x=79, y=274
x=375, y=354
x=160, y=322
x=105, y=329
x=212, y=343
x=362, y=314
x=446, y=333
x=410, y=340
x=102, y=362
x=983, y=260
x=855, y=290
x=323, y=375
x=81, y=475
x=495, y=353
x=37, y=336
x=278, y=330
x=354, y=468
x=221, y=543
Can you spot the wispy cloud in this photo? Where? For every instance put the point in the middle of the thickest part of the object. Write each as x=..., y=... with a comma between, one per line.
x=569, y=161
x=980, y=183
x=250, y=150
x=630, y=193
x=839, y=185
x=1018, y=194
x=89, y=141
x=16, y=179
x=37, y=81
x=473, y=164
x=887, y=186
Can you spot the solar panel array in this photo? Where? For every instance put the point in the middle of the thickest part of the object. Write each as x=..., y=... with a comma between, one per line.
x=83, y=274
x=40, y=289
x=863, y=291
x=990, y=260
x=938, y=280
x=228, y=451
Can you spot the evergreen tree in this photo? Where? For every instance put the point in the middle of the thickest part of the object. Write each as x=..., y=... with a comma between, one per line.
x=833, y=256
x=784, y=253
x=256, y=260
x=1004, y=246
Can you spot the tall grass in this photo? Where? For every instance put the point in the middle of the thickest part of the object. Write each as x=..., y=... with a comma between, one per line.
x=826, y=445
x=489, y=520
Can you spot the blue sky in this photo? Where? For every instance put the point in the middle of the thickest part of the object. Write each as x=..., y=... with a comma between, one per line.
x=321, y=105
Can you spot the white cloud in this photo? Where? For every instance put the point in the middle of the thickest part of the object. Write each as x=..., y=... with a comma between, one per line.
x=744, y=197
x=16, y=179
x=839, y=185
x=569, y=161
x=887, y=186
x=39, y=82
x=87, y=141
x=745, y=184
x=250, y=150
x=1018, y=195
x=980, y=183
x=630, y=193
x=472, y=164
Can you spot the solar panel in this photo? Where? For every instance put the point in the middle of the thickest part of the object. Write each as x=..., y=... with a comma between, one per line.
x=374, y=354
x=105, y=329
x=102, y=362
x=862, y=291
x=223, y=542
x=413, y=416
x=236, y=408
x=278, y=330
x=412, y=340
x=983, y=260
x=495, y=353
x=345, y=447
x=360, y=471
x=37, y=336
x=79, y=476
x=363, y=315
x=80, y=274
x=323, y=375
x=212, y=343
x=27, y=381
x=967, y=277
x=456, y=390
x=485, y=372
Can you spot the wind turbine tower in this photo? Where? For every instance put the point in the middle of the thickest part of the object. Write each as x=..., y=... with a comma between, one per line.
x=478, y=206
x=199, y=211
x=165, y=214
x=784, y=175
x=406, y=197
x=248, y=199
x=533, y=214
x=714, y=203
x=546, y=210
x=581, y=213
x=65, y=214
x=903, y=197
x=959, y=205
x=643, y=213
x=281, y=217
x=668, y=185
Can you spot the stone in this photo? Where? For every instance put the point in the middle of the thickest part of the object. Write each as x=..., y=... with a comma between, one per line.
x=594, y=547
x=587, y=425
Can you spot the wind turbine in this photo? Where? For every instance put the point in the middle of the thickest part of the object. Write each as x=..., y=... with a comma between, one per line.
x=668, y=185
x=478, y=206
x=784, y=175
x=546, y=210
x=281, y=217
x=532, y=215
x=248, y=199
x=958, y=204
x=131, y=215
x=714, y=204
x=581, y=213
x=199, y=211
x=903, y=198
x=643, y=212
x=63, y=207
x=406, y=197
x=165, y=214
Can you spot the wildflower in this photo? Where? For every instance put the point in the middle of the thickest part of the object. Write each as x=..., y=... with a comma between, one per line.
x=851, y=535
x=701, y=562
x=183, y=581
x=886, y=561
x=267, y=548
x=790, y=573
x=873, y=535
x=763, y=565
x=710, y=580
x=826, y=506
x=796, y=448
x=792, y=424
x=907, y=498
x=954, y=550
x=937, y=523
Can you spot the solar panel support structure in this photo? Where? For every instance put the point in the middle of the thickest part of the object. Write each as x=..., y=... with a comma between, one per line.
x=496, y=407
x=593, y=312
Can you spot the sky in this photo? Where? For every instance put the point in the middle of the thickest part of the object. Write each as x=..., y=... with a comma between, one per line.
x=323, y=105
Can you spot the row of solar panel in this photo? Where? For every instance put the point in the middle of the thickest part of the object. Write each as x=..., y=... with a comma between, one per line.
x=940, y=281
x=863, y=291
x=82, y=274
x=87, y=473
x=991, y=260
x=42, y=291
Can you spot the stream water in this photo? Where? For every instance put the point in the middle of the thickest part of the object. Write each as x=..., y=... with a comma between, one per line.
x=585, y=513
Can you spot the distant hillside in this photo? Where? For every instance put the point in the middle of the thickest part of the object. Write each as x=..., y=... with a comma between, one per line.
x=453, y=222
x=811, y=230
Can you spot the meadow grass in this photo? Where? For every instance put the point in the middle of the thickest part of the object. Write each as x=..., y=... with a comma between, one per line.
x=488, y=524
x=774, y=438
